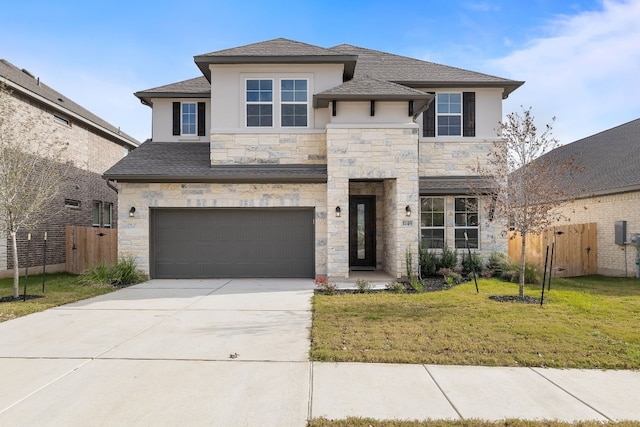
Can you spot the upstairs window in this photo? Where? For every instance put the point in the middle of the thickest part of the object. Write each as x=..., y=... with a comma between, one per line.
x=293, y=103
x=259, y=99
x=188, y=118
x=96, y=207
x=106, y=214
x=449, y=114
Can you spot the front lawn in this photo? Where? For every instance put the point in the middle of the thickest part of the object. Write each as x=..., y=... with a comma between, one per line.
x=62, y=288
x=586, y=322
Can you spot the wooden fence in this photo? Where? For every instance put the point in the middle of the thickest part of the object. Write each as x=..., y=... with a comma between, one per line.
x=575, y=251
x=89, y=246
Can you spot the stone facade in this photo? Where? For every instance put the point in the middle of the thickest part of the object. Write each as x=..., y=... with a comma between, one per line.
x=268, y=148
x=605, y=211
x=133, y=233
x=453, y=158
x=383, y=153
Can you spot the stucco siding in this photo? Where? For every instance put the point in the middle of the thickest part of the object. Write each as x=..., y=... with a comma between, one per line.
x=162, y=120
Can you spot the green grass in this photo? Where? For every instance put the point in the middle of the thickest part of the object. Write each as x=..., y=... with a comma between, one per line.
x=62, y=288
x=367, y=422
x=588, y=322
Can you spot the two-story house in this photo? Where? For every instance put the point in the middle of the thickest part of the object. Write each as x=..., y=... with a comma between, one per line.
x=286, y=159
x=93, y=146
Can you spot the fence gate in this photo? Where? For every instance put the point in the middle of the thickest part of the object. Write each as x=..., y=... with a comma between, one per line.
x=576, y=249
x=87, y=247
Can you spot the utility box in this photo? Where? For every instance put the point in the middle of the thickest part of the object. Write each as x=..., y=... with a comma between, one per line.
x=621, y=232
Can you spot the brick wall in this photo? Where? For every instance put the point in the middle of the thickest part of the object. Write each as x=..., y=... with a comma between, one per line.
x=605, y=211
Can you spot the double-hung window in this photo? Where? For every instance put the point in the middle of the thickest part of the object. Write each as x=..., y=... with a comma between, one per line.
x=106, y=214
x=449, y=114
x=432, y=222
x=188, y=118
x=466, y=220
x=259, y=99
x=293, y=103
x=96, y=207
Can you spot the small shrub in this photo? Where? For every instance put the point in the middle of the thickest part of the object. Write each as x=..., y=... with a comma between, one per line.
x=395, y=287
x=498, y=263
x=448, y=259
x=363, y=286
x=511, y=273
x=451, y=278
x=124, y=273
x=471, y=263
x=428, y=262
x=325, y=286
x=417, y=285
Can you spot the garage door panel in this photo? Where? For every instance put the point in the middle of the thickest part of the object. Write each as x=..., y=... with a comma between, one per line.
x=249, y=242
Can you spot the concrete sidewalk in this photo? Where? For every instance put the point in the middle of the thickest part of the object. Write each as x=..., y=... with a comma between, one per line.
x=235, y=353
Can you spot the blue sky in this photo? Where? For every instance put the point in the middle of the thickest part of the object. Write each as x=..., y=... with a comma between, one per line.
x=580, y=59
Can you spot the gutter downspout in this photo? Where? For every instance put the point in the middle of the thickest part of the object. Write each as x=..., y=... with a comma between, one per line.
x=110, y=185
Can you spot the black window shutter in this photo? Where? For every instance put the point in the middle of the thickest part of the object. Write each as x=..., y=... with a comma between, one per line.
x=429, y=121
x=468, y=114
x=201, y=119
x=176, y=118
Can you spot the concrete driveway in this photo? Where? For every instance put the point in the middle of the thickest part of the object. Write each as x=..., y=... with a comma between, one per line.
x=166, y=352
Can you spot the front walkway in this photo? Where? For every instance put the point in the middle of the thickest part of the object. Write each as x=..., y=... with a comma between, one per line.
x=235, y=353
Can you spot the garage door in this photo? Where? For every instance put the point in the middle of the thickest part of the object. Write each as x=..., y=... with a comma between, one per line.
x=209, y=243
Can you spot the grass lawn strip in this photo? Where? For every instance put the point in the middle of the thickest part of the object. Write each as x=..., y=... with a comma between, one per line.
x=589, y=322
x=61, y=288
x=367, y=422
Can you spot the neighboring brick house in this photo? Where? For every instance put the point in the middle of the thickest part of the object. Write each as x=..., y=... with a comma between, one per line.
x=93, y=146
x=607, y=191
x=292, y=160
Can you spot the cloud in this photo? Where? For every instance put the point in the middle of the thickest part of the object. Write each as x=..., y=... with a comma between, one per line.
x=584, y=71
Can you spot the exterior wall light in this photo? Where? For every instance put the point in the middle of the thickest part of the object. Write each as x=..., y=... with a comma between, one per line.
x=408, y=210
x=338, y=211
x=132, y=212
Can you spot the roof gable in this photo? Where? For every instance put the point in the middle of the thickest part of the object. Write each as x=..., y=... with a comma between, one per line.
x=29, y=85
x=198, y=87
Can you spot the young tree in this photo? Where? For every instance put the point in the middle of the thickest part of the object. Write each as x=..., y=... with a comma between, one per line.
x=32, y=168
x=529, y=179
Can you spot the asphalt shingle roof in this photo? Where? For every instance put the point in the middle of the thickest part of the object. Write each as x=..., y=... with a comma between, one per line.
x=30, y=84
x=190, y=162
x=447, y=185
x=275, y=47
x=610, y=160
x=198, y=87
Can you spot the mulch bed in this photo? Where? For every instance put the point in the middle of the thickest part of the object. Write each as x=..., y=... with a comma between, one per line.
x=430, y=284
x=20, y=298
x=515, y=298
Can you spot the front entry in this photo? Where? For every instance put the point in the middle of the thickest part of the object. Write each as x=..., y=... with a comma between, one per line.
x=362, y=232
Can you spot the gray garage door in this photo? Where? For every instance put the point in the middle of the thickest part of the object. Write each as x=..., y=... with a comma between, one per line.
x=207, y=243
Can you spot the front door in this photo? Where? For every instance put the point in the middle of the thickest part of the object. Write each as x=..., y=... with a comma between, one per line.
x=362, y=232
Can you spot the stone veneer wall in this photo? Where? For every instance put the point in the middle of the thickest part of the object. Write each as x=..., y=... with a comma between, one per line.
x=453, y=158
x=268, y=148
x=605, y=211
x=133, y=233
x=384, y=152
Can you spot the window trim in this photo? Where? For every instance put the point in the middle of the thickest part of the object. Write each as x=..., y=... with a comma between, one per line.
x=195, y=117
x=280, y=102
x=93, y=205
x=72, y=204
x=109, y=206
x=61, y=120
x=466, y=226
x=460, y=114
x=444, y=222
x=247, y=103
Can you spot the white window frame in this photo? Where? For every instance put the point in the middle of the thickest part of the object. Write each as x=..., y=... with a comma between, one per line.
x=61, y=120
x=444, y=221
x=72, y=204
x=466, y=226
x=93, y=205
x=448, y=114
x=274, y=113
x=281, y=102
x=195, y=117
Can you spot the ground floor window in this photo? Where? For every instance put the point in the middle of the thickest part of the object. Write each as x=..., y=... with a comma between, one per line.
x=436, y=231
x=466, y=221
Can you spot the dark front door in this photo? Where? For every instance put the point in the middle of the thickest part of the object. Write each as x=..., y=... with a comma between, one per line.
x=362, y=232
